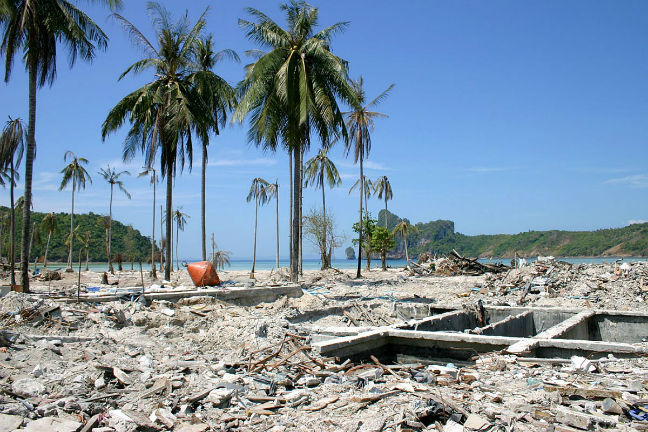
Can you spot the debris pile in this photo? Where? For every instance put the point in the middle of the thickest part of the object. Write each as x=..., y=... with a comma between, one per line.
x=554, y=278
x=202, y=364
x=454, y=264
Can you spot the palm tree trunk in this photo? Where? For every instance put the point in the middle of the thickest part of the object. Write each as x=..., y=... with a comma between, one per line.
x=202, y=202
x=383, y=256
x=12, y=248
x=69, y=267
x=49, y=236
x=406, y=254
x=31, y=242
x=325, y=263
x=29, y=164
x=386, y=226
x=291, y=199
x=368, y=253
x=110, y=266
x=358, y=273
x=169, y=201
x=153, y=270
x=294, y=252
x=277, y=217
x=301, y=210
x=176, y=245
x=162, y=259
x=256, y=213
x=87, y=257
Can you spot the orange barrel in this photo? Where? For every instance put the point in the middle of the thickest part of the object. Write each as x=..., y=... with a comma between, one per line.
x=203, y=274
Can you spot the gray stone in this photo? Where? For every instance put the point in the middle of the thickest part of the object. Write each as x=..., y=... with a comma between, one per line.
x=53, y=424
x=27, y=387
x=9, y=423
x=610, y=406
x=475, y=422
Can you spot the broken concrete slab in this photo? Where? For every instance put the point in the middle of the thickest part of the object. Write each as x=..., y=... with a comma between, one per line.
x=53, y=424
x=9, y=423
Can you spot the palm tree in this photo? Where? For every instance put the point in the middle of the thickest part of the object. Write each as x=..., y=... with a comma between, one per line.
x=86, y=243
x=368, y=187
x=404, y=228
x=291, y=90
x=49, y=224
x=11, y=153
x=163, y=112
x=219, y=258
x=383, y=188
x=258, y=193
x=77, y=173
x=31, y=29
x=321, y=169
x=112, y=177
x=4, y=217
x=219, y=97
x=153, y=173
x=181, y=220
x=272, y=191
x=35, y=236
x=360, y=124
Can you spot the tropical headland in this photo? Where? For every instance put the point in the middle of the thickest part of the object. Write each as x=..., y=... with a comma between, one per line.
x=440, y=237
x=180, y=146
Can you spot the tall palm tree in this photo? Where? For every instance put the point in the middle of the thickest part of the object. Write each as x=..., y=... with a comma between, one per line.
x=291, y=90
x=403, y=228
x=49, y=224
x=320, y=169
x=150, y=171
x=220, y=99
x=383, y=189
x=112, y=177
x=272, y=191
x=360, y=124
x=32, y=29
x=368, y=187
x=11, y=153
x=79, y=175
x=258, y=193
x=163, y=113
x=36, y=236
x=180, y=220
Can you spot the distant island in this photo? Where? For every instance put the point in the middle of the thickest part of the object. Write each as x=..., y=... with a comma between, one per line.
x=126, y=240
x=439, y=237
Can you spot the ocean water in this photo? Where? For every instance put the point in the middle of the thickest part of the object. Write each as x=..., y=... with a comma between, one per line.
x=314, y=264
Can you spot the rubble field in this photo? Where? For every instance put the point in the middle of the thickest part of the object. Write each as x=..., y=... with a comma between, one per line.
x=210, y=361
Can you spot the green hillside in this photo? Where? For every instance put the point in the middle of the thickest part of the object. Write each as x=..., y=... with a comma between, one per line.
x=125, y=239
x=439, y=236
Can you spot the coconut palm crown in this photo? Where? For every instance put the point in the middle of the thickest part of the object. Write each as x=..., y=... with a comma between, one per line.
x=291, y=90
x=164, y=112
x=78, y=175
x=32, y=29
x=360, y=124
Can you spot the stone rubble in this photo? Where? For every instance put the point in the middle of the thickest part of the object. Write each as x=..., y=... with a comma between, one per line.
x=199, y=364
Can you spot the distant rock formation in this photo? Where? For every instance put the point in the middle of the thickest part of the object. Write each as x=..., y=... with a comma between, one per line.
x=350, y=253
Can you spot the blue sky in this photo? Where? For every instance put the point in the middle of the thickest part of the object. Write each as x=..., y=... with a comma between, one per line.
x=506, y=116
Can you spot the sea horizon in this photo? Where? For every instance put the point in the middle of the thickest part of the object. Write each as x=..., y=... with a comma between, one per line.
x=315, y=263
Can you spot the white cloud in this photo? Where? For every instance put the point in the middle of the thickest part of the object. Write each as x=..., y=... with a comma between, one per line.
x=636, y=221
x=636, y=180
x=242, y=162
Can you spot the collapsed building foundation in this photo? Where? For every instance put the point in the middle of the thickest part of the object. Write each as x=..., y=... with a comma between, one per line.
x=460, y=334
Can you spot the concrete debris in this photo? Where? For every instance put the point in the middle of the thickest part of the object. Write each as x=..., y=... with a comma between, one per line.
x=249, y=362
